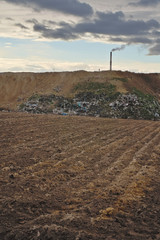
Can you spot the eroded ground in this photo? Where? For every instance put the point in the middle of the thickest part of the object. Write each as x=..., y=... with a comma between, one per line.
x=79, y=178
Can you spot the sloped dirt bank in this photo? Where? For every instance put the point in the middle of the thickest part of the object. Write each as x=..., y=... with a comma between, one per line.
x=15, y=88
x=79, y=178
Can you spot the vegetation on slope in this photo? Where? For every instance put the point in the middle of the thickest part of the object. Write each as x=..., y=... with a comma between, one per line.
x=97, y=99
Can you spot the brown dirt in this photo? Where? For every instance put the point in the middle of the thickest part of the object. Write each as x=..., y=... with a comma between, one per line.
x=79, y=178
x=15, y=88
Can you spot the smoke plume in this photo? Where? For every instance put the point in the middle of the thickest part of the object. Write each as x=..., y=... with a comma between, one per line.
x=118, y=49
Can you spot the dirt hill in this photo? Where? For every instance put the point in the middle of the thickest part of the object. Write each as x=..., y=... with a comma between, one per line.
x=15, y=88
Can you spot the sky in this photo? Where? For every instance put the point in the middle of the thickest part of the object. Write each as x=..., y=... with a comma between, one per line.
x=71, y=35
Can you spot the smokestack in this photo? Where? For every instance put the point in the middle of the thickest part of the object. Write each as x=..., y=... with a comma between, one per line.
x=113, y=50
x=110, y=61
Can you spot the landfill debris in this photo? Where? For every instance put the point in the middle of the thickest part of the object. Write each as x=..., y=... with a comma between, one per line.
x=117, y=105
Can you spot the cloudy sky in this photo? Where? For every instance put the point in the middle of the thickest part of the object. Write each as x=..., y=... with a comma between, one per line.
x=68, y=35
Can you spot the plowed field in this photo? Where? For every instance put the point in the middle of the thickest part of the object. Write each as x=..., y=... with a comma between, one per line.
x=79, y=178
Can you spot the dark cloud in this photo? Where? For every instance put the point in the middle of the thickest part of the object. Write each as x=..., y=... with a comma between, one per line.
x=64, y=32
x=73, y=7
x=116, y=24
x=145, y=3
x=132, y=40
x=10, y=19
x=51, y=22
x=142, y=40
x=21, y=26
x=117, y=39
x=156, y=33
x=33, y=20
x=155, y=50
x=109, y=24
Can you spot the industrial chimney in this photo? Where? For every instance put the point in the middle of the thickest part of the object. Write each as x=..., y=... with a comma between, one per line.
x=111, y=61
x=113, y=50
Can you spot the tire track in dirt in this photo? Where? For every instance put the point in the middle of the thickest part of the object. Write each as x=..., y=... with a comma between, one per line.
x=112, y=148
x=124, y=176
x=133, y=151
x=87, y=141
x=138, y=167
x=41, y=143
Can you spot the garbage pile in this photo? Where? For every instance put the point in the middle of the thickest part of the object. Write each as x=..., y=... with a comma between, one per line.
x=40, y=103
x=116, y=105
x=133, y=106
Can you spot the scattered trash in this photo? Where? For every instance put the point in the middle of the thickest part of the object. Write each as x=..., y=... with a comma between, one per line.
x=12, y=176
x=115, y=105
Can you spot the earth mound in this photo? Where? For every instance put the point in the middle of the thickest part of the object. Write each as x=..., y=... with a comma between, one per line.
x=106, y=94
x=16, y=88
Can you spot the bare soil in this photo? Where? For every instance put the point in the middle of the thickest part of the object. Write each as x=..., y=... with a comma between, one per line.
x=79, y=178
x=16, y=88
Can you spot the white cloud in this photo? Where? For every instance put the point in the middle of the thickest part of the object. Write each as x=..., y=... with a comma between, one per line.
x=45, y=65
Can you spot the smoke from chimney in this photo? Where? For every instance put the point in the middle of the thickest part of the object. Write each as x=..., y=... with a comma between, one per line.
x=119, y=48
x=113, y=50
